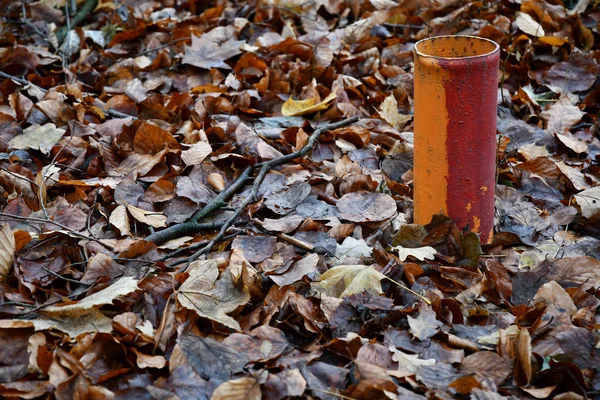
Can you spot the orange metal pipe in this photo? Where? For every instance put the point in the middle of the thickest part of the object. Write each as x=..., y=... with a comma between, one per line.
x=456, y=85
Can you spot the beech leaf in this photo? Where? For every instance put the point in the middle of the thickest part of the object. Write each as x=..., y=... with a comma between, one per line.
x=211, y=296
x=292, y=108
x=155, y=219
x=7, y=251
x=210, y=50
x=37, y=137
x=528, y=25
x=589, y=201
x=420, y=253
x=345, y=280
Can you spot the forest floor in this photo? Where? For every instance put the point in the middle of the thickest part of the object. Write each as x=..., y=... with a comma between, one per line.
x=213, y=200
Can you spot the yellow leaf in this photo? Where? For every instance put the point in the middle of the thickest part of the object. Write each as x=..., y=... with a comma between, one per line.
x=293, y=108
x=345, y=280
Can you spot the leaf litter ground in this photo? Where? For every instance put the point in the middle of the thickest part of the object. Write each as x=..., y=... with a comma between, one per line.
x=180, y=220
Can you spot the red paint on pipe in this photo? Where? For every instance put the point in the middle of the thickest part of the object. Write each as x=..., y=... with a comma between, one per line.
x=471, y=101
x=456, y=77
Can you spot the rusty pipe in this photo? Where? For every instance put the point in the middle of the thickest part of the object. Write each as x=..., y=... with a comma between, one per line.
x=456, y=86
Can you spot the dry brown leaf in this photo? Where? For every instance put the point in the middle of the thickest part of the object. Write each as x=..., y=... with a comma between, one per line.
x=120, y=220
x=247, y=388
x=211, y=49
x=345, y=280
x=155, y=219
x=196, y=153
x=562, y=115
x=522, y=371
x=37, y=137
x=150, y=139
x=366, y=206
x=588, y=201
x=389, y=112
x=210, y=296
x=7, y=251
x=292, y=108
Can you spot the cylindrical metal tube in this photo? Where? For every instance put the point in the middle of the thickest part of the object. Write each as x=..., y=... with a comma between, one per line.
x=456, y=86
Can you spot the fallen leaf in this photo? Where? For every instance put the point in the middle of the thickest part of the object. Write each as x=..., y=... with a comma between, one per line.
x=120, y=220
x=389, y=112
x=210, y=296
x=420, y=253
x=562, y=115
x=211, y=359
x=345, y=280
x=366, y=206
x=37, y=137
x=409, y=363
x=7, y=251
x=425, y=325
x=155, y=219
x=292, y=108
x=588, y=201
x=196, y=153
x=247, y=388
x=528, y=25
x=211, y=49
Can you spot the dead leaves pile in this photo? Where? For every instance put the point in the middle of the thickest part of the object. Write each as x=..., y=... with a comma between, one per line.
x=323, y=288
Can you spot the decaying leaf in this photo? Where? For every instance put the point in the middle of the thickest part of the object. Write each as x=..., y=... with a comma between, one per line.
x=589, y=201
x=389, y=112
x=211, y=296
x=7, y=251
x=345, y=280
x=155, y=219
x=37, y=137
x=420, y=253
x=366, y=206
x=292, y=108
x=120, y=220
x=213, y=48
x=528, y=25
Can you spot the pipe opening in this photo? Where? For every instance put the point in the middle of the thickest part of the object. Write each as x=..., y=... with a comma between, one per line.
x=455, y=47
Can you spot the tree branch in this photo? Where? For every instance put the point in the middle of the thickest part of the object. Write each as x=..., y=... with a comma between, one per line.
x=192, y=226
x=77, y=20
x=265, y=167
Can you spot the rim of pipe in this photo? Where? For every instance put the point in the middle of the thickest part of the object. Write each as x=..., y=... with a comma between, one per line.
x=476, y=38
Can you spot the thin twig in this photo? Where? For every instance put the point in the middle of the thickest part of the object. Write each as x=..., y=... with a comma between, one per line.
x=51, y=222
x=425, y=299
x=21, y=81
x=143, y=53
x=77, y=20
